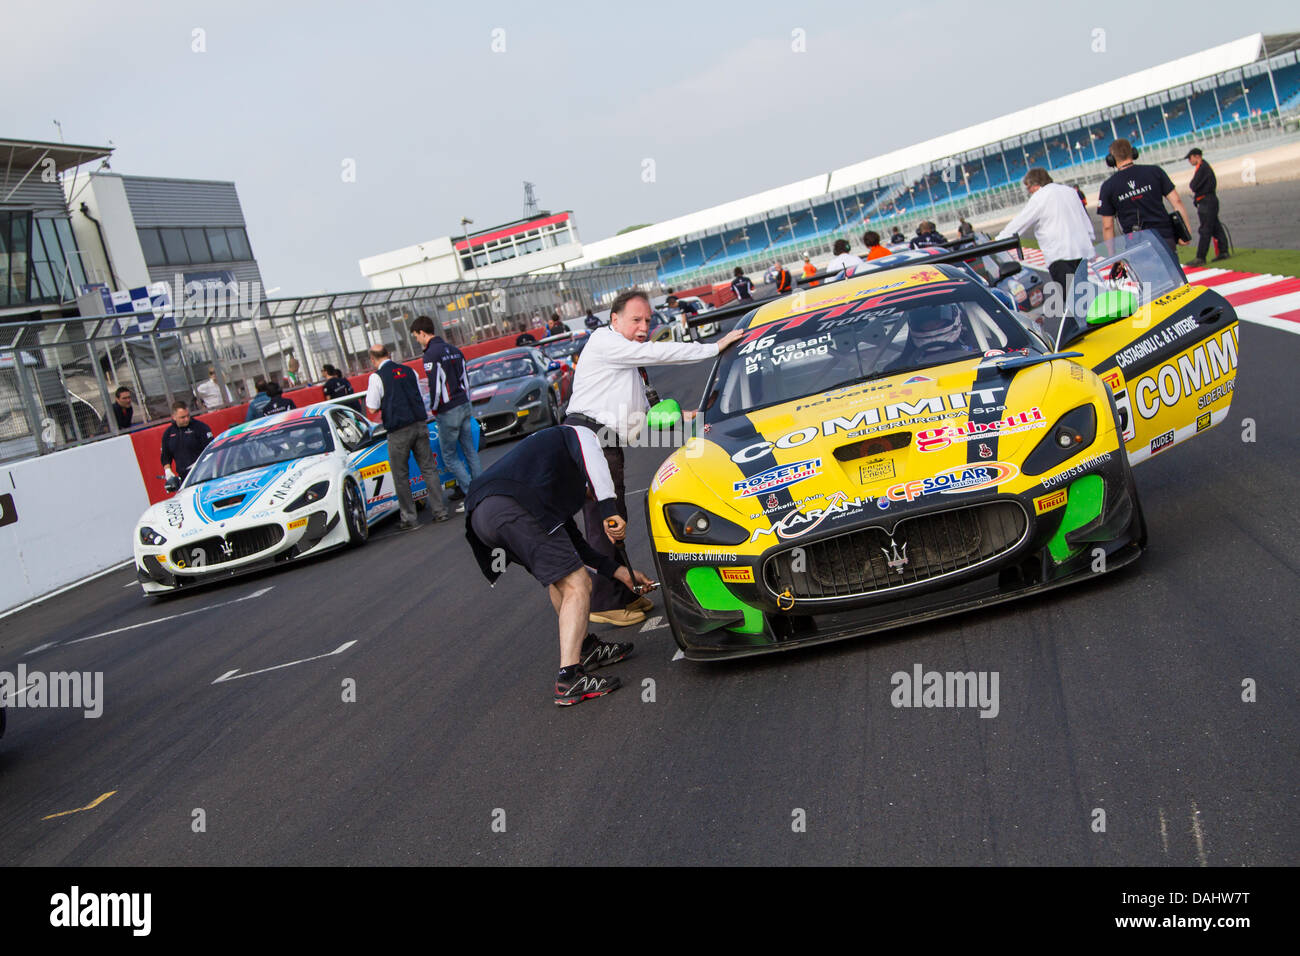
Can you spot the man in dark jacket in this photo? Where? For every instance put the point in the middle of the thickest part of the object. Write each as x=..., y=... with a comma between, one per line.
x=258, y=402
x=521, y=509
x=393, y=396
x=926, y=235
x=335, y=386
x=275, y=400
x=123, y=409
x=1205, y=196
x=444, y=367
x=741, y=285
x=182, y=443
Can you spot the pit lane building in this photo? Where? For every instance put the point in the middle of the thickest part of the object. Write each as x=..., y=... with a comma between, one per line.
x=1236, y=88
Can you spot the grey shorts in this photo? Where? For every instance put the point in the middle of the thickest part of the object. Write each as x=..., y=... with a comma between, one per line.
x=501, y=522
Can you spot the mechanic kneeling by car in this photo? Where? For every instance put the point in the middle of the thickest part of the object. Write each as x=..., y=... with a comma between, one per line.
x=522, y=508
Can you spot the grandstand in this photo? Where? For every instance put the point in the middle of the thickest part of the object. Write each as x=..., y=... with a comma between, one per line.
x=1245, y=89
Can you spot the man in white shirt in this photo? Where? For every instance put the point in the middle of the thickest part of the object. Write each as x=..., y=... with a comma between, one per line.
x=210, y=393
x=1060, y=223
x=842, y=260
x=609, y=397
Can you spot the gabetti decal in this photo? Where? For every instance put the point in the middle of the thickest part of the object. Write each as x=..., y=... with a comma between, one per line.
x=798, y=523
x=777, y=477
x=1205, y=364
x=938, y=405
x=936, y=439
x=954, y=480
x=1049, y=502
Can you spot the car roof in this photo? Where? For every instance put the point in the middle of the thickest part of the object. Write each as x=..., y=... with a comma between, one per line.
x=830, y=294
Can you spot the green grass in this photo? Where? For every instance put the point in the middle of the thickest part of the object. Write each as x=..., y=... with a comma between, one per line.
x=1282, y=262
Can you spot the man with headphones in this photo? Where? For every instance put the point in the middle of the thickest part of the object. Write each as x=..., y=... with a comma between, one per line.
x=1135, y=196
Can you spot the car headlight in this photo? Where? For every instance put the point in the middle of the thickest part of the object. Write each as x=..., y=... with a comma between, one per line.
x=313, y=494
x=152, y=538
x=694, y=525
x=534, y=396
x=1074, y=431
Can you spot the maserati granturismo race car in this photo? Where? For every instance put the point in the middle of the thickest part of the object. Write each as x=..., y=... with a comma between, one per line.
x=518, y=391
x=900, y=446
x=273, y=490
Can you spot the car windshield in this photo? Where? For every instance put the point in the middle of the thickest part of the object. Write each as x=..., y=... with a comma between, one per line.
x=806, y=354
x=563, y=348
x=283, y=441
x=500, y=370
x=1138, y=267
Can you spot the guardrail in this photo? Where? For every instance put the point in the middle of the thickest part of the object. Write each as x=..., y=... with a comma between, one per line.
x=58, y=376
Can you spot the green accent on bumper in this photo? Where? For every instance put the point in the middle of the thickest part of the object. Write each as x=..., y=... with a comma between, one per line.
x=1084, y=503
x=1111, y=305
x=713, y=595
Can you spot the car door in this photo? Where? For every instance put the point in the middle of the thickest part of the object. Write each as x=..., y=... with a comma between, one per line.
x=1168, y=350
x=367, y=456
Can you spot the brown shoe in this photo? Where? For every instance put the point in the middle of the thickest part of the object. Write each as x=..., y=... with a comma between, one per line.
x=620, y=617
x=642, y=604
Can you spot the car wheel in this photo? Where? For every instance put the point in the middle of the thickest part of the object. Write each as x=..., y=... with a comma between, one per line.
x=552, y=409
x=354, y=514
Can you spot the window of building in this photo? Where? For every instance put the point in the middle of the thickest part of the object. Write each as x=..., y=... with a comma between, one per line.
x=152, y=246
x=219, y=244
x=173, y=241
x=239, y=247
x=197, y=246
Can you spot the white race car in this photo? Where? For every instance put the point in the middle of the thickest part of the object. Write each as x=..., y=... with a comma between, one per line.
x=272, y=490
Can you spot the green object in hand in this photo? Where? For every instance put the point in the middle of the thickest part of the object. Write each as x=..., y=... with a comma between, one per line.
x=665, y=414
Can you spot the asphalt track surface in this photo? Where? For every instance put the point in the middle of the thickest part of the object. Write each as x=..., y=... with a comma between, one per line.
x=1123, y=694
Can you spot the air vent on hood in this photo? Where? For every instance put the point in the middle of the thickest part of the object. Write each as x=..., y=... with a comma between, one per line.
x=223, y=503
x=875, y=445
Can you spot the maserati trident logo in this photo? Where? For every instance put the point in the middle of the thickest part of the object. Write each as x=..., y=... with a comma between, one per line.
x=227, y=548
x=1132, y=184
x=895, y=558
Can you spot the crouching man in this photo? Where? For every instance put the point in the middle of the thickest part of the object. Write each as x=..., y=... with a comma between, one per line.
x=521, y=509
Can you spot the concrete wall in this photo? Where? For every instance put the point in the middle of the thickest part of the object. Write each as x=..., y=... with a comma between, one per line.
x=66, y=516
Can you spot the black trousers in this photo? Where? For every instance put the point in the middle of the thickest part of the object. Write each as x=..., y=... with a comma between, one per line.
x=606, y=594
x=1061, y=273
x=1207, y=210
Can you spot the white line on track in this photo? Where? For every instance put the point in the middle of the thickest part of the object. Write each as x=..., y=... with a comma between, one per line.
x=172, y=617
x=235, y=675
x=42, y=647
x=66, y=587
x=1199, y=834
x=1164, y=830
x=679, y=655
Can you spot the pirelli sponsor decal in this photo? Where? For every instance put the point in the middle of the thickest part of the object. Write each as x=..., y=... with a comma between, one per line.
x=1114, y=378
x=1049, y=502
x=737, y=575
x=373, y=470
x=297, y=523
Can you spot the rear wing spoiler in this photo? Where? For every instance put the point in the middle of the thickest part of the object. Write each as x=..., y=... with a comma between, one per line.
x=954, y=256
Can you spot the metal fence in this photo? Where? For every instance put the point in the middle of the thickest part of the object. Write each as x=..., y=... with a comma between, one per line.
x=1005, y=199
x=58, y=376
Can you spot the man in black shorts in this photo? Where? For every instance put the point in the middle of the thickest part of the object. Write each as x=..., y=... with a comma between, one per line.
x=521, y=509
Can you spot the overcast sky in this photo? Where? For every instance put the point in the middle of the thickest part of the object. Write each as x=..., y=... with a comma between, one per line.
x=574, y=98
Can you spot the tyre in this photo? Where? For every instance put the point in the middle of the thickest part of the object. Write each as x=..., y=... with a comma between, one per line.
x=354, y=514
x=552, y=410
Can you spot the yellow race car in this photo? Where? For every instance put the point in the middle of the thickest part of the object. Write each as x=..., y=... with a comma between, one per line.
x=899, y=446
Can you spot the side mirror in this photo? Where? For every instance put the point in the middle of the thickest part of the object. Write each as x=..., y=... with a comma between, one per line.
x=1111, y=305
x=666, y=414
x=553, y=367
x=1008, y=268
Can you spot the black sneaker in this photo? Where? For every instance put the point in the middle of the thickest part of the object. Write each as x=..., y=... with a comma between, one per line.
x=596, y=653
x=442, y=516
x=1221, y=258
x=1196, y=262
x=584, y=687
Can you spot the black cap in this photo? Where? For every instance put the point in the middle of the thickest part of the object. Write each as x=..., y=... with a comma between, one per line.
x=1194, y=151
